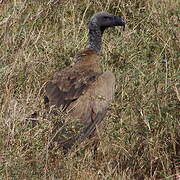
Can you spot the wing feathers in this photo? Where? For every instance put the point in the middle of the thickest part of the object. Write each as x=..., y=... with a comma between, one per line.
x=96, y=98
x=69, y=83
x=84, y=92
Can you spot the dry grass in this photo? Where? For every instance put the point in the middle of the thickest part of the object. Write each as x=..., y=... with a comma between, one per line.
x=141, y=135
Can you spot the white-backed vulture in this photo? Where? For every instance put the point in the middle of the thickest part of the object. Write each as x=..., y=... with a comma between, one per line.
x=83, y=90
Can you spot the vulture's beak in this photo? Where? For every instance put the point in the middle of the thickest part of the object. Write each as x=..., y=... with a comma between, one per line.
x=119, y=22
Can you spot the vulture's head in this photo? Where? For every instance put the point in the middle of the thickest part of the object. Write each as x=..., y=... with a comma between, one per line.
x=103, y=20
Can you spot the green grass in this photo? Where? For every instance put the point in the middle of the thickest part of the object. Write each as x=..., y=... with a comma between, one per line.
x=141, y=136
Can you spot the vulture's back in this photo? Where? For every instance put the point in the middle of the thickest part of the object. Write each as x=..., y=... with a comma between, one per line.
x=68, y=84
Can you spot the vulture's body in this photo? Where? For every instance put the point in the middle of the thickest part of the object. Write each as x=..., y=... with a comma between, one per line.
x=82, y=89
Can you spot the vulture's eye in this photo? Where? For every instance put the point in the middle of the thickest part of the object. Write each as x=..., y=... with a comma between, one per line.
x=107, y=17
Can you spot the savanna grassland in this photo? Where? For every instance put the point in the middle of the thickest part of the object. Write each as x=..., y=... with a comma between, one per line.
x=141, y=134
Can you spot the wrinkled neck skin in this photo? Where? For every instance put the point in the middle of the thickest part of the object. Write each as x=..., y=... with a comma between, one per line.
x=95, y=38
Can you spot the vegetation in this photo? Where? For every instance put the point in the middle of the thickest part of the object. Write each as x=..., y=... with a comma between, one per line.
x=141, y=136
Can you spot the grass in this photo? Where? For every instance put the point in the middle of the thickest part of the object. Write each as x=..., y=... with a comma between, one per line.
x=141, y=136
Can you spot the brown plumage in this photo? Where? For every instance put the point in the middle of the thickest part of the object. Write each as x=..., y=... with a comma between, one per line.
x=82, y=89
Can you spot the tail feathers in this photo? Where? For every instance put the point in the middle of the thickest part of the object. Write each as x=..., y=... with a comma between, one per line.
x=86, y=133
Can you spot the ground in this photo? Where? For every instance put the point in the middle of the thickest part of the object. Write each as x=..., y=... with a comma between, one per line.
x=141, y=136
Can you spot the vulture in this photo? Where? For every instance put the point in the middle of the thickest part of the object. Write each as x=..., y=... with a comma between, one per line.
x=82, y=89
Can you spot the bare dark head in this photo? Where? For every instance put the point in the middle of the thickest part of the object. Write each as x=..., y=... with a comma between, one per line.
x=103, y=20
x=98, y=23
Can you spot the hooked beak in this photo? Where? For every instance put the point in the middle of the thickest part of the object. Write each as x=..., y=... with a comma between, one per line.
x=119, y=22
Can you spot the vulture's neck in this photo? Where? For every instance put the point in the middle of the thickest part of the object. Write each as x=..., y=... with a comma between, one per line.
x=95, y=39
